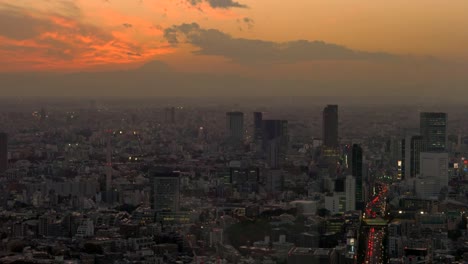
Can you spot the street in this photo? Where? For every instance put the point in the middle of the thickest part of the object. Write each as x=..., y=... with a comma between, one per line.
x=375, y=236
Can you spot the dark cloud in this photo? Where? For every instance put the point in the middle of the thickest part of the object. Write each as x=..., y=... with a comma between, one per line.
x=215, y=42
x=133, y=54
x=245, y=23
x=15, y=24
x=249, y=22
x=224, y=4
x=127, y=25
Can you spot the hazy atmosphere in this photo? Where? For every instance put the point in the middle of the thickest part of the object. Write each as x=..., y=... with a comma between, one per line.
x=233, y=132
x=233, y=48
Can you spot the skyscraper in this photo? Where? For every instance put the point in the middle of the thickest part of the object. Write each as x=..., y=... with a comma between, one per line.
x=3, y=152
x=434, y=174
x=275, y=129
x=350, y=190
x=235, y=126
x=330, y=126
x=273, y=153
x=275, y=141
x=433, y=128
x=411, y=145
x=258, y=125
x=356, y=166
x=417, y=146
x=165, y=190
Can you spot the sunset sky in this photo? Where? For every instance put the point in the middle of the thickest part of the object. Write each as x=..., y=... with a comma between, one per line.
x=366, y=41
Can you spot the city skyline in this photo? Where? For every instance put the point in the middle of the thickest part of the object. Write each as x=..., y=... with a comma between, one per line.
x=233, y=131
x=105, y=181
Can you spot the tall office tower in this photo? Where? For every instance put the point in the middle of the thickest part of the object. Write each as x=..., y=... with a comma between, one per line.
x=396, y=155
x=417, y=146
x=409, y=147
x=350, y=190
x=433, y=128
x=275, y=141
x=165, y=190
x=258, y=125
x=330, y=126
x=435, y=165
x=235, y=126
x=273, y=154
x=3, y=152
x=395, y=150
x=434, y=174
x=357, y=172
x=403, y=166
x=275, y=130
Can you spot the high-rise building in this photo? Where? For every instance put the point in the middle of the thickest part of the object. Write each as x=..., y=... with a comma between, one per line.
x=435, y=165
x=273, y=153
x=245, y=179
x=258, y=125
x=433, y=128
x=330, y=126
x=275, y=141
x=350, y=190
x=417, y=146
x=275, y=130
x=235, y=126
x=165, y=190
x=395, y=150
x=3, y=152
x=411, y=145
x=357, y=172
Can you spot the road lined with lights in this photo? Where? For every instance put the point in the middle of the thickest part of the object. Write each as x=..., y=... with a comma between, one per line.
x=375, y=236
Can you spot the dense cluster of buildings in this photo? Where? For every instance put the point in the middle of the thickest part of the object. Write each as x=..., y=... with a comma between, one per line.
x=116, y=183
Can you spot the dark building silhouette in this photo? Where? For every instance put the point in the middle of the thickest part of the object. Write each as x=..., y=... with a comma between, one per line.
x=403, y=158
x=340, y=185
x=433, y=128
x=258, y=125
x=417, y=146
x=275, y=141
x=235, y=126
x=275, y=129
x=165, y=189
x=3, y=152
x=330, y=126
x=411, y=147
x=357, y=172
x=246, y=180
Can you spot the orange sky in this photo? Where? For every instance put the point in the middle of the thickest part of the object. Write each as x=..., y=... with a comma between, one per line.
x=71, y=35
